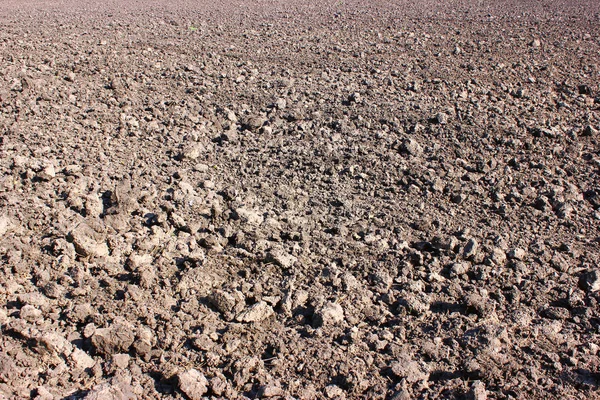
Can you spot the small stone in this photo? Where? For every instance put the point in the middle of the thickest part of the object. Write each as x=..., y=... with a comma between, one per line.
x=89, y=330
x=564, y=209
x=116, y=339
x=334, y=392
x=230, y=135
x=254, y=123
x=137, y=261
x=478, y=391
x=460, y=268
x=471, y=248
x=144, y=341
x=412, y=147
x=93, y=206
x=415, y=87
x=256, y=313
x=270, y=391
x=193, y=384
x=280, y=103
x=382, y=281
x=47, y=173
x=459, y=197
x=401, y=395
x=223, y=301
x=559, y=263
x=478, y=303
x=542, y=203
x=447, y=243
x=53, y=344
x=203, y=342
x=5, y=225
x=535, y=43
x=349, y=281
x=231, y=116
x=590, y=131
x=8, y=368
x=86, y=243
x=409, y=370
x=228, y=304
x=80, y=312
x=249, y=217
x=34, y=299
x=218, y=386
x=43, y=394
x=201, y=167
x=53, y=290
x=556, y=313
x=280, y=257
x=584, y=89
x=81, y=359
x=520, y=93
x=355, y=98
x=437, y=185
x=192, y=151
x=120, y=361
x=441, y=119
x=329, y=314
x=516, y=254
x=418, y=304
x=498, y=257
x=72, y=169
x=30, y=313
x=208, y=184
x=115, y=390
x=590, y=281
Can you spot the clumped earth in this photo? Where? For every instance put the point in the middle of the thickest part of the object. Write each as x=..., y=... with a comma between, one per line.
x=327, y=200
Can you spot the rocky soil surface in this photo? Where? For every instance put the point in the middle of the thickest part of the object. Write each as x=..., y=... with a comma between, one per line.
x=299, y=201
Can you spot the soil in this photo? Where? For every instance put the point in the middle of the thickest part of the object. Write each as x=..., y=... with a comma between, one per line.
x=252, y=199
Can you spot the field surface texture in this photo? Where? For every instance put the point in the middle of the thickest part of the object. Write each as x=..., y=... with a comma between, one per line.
x=299, y=199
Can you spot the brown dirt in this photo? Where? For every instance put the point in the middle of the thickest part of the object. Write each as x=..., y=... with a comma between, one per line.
x=317, y=200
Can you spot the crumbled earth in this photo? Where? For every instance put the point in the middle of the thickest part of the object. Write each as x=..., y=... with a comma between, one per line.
x=311, y=200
